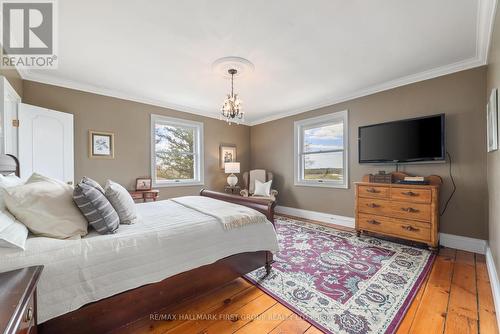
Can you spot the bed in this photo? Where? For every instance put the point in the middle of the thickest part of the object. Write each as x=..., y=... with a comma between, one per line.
x=102, y=282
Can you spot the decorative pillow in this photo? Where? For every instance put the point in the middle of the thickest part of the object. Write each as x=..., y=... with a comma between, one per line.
x=5, y=182
x=262, y=189
x=92, y=183
x=95, y=206
x=13, y=234
x=45, y=206
x=121, y=200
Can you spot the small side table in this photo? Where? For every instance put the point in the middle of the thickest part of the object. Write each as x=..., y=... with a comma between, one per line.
x=232, y=189
x=144, y=195
x=18, y=300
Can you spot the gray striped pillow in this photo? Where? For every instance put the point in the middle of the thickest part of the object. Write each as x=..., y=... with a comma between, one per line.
x=95, y=206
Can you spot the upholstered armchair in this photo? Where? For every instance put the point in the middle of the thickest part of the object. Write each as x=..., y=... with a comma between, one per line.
x=249, y=183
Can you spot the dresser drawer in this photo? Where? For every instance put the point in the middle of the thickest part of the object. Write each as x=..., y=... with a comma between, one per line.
x=412, y=211
x=374, y=191
x=394, y=227
x=411, y=194
x=376, y=206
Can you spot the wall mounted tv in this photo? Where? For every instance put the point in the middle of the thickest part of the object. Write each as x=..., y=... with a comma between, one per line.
x=406, y=141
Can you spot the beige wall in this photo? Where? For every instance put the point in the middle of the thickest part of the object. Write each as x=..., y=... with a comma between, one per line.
x=461, y=96
x=130, y=121
x=493, y=174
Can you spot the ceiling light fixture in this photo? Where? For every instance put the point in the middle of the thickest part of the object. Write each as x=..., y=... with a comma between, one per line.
x=231, y=108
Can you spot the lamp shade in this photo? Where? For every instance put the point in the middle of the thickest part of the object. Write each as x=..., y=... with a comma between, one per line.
x=232, y=167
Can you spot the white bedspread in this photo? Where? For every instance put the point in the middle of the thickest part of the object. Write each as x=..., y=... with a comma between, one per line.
x=169, y=239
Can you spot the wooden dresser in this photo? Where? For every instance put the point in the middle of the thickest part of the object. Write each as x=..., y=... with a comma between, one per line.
x=18, y=300
x=403, y=211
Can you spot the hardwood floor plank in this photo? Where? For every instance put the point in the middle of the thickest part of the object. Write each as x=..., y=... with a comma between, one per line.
x=487, y=315
x=267, y=321
x=224, y=311
x=432, y=319
x=462, y=309
x=200, y=304
x=407, y=321
x=292, y=325
x=242, y=316
x=313, y=330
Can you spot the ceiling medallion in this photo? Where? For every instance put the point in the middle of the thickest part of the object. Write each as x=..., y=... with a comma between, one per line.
x=232, y=67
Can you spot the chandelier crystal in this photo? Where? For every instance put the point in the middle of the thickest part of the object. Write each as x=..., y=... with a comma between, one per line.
x=231, y=108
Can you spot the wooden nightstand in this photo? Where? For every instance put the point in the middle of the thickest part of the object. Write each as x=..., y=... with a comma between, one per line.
x=18, y=300
x=232, y=189
x=144, y=195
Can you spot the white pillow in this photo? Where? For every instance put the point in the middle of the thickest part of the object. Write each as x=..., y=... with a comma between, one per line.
x=121, y=200
x=13, y=234
x=5, y=182
x=46, y=207
x=262, y=189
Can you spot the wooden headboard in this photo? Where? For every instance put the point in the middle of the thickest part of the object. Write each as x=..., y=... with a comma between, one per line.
x=9, y=164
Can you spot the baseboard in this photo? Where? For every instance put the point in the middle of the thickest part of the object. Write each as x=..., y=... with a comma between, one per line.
x=463, y=243
x=317, y=216
x=445, y=239
x=495, y=284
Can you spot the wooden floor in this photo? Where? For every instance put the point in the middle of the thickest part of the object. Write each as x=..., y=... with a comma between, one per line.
x=455, y=298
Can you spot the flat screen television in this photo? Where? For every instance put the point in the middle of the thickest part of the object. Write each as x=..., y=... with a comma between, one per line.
x=406, y=141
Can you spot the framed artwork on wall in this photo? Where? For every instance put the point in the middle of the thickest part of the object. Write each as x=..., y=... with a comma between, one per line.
x=492, y=121
x=101, y=145
x=227, y=153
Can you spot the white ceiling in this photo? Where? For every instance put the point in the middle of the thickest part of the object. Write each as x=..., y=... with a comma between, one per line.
x=307, y=54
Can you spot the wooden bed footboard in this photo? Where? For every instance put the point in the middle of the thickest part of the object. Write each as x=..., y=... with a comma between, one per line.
x=124, y=308
x=261, y=205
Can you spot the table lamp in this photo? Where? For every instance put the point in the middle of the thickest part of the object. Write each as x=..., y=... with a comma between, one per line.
x=232, y=167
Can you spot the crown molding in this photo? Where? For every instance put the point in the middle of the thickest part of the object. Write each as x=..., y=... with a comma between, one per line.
x=484, y=29
x=414, y=78
x=45, y=79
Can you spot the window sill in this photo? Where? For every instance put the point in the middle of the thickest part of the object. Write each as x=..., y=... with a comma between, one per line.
x=178, y=184
x=321, y=185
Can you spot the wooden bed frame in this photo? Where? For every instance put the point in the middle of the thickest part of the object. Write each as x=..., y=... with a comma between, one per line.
x=121, y=309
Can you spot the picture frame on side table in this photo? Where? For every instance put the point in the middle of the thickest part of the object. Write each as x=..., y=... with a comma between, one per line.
x=101, y=145
x=492, y=121
x=227, y=153
x=143, y=184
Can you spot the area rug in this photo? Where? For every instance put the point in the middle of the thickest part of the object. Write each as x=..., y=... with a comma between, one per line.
x=342, y=283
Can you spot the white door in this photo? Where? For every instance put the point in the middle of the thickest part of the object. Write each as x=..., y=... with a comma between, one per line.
x=46, y=143
x=8, y=132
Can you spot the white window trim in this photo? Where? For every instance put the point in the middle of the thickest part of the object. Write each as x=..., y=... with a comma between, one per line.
x=298, y=126
x=198, y=147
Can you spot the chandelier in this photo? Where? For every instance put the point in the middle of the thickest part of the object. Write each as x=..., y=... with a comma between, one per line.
x=231, y=109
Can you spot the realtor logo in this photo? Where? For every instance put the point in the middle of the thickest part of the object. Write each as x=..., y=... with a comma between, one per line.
x=28, y=34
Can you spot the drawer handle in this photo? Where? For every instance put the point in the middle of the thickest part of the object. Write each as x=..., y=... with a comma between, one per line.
x=372, y=205
x=29, y=314
x=410, y=210
x=372, y=190
x=373, y=222
x=409, y=193
x=410, y=228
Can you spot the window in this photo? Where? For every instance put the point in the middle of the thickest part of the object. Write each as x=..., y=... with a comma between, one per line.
x=176, y=151
x=321, y=151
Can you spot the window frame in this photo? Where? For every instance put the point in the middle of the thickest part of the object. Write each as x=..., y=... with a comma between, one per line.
x=198, y=151
x=314, y=122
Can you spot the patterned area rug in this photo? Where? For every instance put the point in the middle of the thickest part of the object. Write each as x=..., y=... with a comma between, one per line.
x=341, y=283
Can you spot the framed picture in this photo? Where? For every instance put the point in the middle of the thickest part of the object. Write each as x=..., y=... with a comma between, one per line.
x=227, y=153
x=101, y=145
x=492, y=121
x=143, y=183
